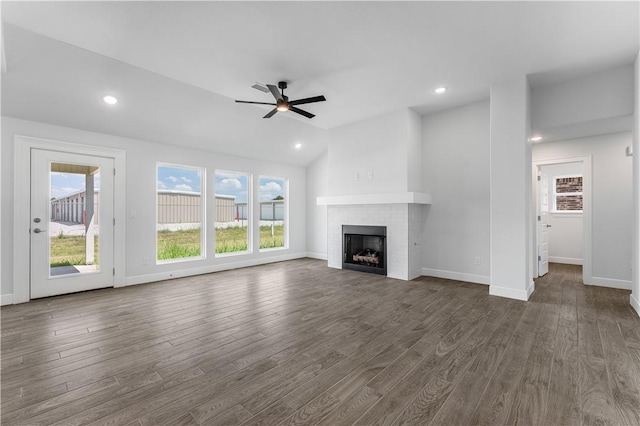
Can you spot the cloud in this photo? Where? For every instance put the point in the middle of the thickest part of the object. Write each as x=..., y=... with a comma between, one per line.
x=270, y=190
x=161, y=185
x=185, y=179
x=183, y=187
x=173, y=179
x=271, y=186
x=229, y=184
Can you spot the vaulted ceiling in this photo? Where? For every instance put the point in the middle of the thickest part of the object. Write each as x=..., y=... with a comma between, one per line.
x=176, y=67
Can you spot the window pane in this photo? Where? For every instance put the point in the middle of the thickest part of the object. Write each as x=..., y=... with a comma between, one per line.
x=569, y=184
x=568, y=193
x=569, y=202
x=272, y=212
x=179, y=226
x=232, y=212
x=73, y=227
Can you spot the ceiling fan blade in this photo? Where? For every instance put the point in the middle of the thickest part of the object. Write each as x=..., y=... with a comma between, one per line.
x=301, y=112
x=274, y=91
x=308, y=100
x=251, y=102
x=271, y=113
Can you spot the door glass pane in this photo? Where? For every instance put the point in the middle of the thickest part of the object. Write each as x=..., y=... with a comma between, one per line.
x=272, y=209
x=232, y=212
x=73, y=220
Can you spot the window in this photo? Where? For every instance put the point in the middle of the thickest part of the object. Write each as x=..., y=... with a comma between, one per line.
x=232, y=212
x=567, y=194
x=179, y=225
x=273, y=212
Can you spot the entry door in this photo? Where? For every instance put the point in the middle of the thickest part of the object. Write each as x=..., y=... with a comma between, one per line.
x=72, y=222
x=543, y=224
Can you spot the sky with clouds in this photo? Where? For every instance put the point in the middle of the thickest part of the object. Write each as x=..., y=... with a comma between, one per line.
x=181, y=179
x=226, y=183
x=63, y=184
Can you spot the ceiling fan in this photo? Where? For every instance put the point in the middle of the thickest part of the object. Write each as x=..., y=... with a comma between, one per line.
x=282, y=102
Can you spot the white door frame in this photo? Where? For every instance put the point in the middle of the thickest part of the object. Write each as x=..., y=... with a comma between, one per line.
x=22, y=207
x=587, y=193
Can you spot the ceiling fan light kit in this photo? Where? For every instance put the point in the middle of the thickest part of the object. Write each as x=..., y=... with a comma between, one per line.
x=282, y=101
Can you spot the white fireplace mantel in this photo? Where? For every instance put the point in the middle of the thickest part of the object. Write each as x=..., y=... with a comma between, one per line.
x=362, y=199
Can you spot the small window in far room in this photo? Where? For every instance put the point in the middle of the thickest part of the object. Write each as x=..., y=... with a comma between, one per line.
x=567, y=194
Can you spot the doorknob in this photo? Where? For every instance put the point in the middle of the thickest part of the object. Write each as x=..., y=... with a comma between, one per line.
x=38, y=230
x=548, y=226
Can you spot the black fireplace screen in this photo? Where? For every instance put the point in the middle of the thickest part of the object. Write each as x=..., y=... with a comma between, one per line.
x=364, y=248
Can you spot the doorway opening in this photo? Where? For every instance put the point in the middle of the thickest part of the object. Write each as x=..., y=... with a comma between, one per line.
x=562, y=203
x=41, y=213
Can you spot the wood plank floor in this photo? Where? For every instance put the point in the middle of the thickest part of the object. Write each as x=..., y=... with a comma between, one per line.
x=299, y=343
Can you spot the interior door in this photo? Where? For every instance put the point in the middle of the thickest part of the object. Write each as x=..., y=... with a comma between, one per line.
x=543, y=224
x=72, y=220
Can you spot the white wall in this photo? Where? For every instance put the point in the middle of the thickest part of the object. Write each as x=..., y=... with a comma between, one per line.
x=565, y=235
x=455, y=163
x=317, y=185
x=635, y=295
x=384, y=146
x=612, y=217
x=142, y=157
x=595, y=96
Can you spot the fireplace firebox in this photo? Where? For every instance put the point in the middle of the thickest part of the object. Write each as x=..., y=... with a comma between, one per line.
x=364, y=248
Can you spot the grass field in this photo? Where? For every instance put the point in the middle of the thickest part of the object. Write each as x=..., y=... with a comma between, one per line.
x=180, y=244
x=70, y=250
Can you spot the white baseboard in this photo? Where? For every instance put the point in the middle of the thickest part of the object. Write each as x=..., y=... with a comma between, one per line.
x=610, y=282
x=6, y=299
x=320, y=256
x=169, y=275
x=635, y=303
x=459, y=276
x=512, y=293
x=565, y=260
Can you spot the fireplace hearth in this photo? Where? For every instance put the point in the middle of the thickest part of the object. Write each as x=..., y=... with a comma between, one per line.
x=364, y=248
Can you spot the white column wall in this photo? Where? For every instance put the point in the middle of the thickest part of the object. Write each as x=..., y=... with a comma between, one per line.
x=635, y=260
x=510, y=183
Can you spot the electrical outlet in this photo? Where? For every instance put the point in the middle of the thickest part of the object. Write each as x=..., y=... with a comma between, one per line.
x=133, y=214
x=356, y=176
x=370, y=175
x=145, y=260
x=477, y=261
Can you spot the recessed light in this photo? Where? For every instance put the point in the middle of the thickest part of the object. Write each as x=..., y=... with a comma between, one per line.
x=111, y=100
x=440, y=90
x=298, y=145
x=536, y=139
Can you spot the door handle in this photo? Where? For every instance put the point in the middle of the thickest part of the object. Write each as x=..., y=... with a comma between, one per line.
x=548, y=226
x=38, y=230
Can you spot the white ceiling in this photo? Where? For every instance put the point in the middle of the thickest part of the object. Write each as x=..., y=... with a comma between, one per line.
x=177, y=66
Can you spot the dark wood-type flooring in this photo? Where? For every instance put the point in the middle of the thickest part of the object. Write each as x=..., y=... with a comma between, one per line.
x=299, y=343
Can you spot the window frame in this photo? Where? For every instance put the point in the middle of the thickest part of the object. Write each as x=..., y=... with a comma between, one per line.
x=203, y=209
x=566, y=194
x=250, y=227
x=285, y=213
